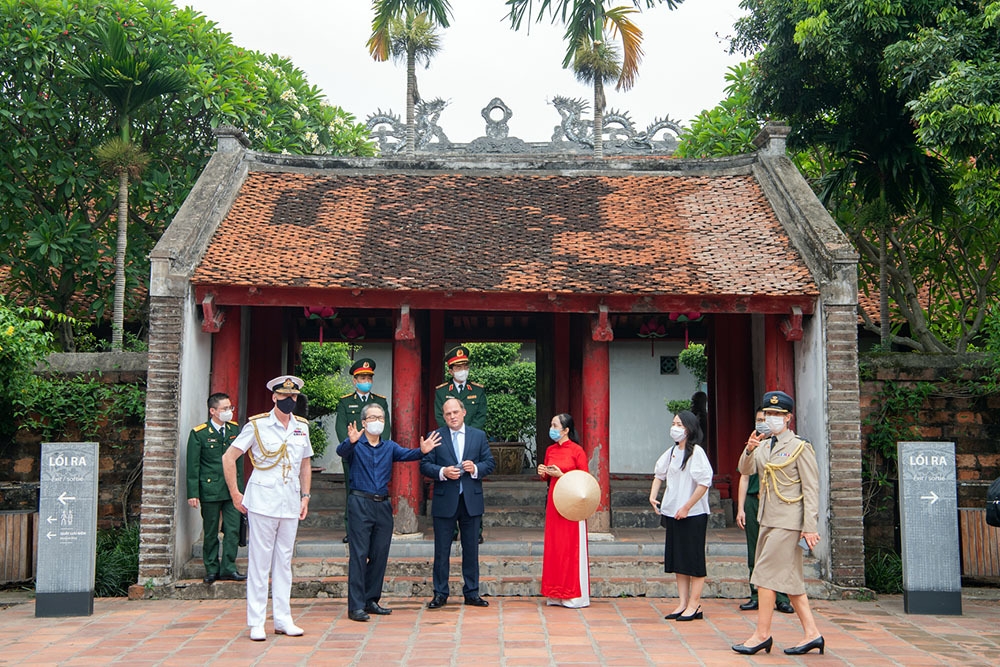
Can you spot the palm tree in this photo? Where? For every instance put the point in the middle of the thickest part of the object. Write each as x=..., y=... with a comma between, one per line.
x=406, y=30
x=597, y=63
x=589, y=18
x=128, y=80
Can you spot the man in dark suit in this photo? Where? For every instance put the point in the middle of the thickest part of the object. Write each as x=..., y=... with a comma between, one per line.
x=457, y=467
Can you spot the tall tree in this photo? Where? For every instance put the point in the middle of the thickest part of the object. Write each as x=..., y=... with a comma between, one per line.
x=56, y=216
x=586, y=22
x=128, y=79
x=597, y=63
x=406, y=29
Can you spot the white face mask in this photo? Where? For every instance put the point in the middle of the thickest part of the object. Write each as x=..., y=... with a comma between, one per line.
x=763, y=428
x=461, y=376
x=776, y=422
x=677, y=433
x=226, y=416
x=375, y=428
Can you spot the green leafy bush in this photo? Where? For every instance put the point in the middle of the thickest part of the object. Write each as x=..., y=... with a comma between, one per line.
x=694, y=359
x=60, y=408
x=321, y=367
x=883, y=571
x=117, y=561
x=510, y=386
x=674, y=407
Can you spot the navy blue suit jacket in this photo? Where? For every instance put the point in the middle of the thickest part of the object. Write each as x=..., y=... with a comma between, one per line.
x=446, y=495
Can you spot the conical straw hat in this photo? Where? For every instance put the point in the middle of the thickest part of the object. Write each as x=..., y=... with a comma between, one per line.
x=576, y=495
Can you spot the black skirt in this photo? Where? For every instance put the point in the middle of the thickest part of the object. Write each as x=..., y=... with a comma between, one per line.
x=684, y=547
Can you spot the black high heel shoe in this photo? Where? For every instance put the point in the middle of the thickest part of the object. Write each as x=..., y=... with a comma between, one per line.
x=673, y=616
x=752, y=650
x=802, y=649
x=696, y=616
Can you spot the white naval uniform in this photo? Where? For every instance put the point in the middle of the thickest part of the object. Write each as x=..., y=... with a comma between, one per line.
x=273, y=503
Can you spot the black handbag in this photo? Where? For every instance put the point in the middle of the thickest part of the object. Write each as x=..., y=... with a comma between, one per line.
x=244, y=529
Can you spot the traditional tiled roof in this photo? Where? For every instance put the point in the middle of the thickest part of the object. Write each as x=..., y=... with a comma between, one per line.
x=507, y=233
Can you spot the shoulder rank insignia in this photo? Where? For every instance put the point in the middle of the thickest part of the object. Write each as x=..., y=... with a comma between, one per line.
x=263, y=414
x=347, y=395
x=476, y=384
x=200, y=427
x=377, y=395
x=443, y=384
x=233, y=422
x=301, y=419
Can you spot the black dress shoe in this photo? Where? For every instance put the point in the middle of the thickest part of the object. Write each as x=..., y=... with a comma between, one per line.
x=375, y=608
x=210, y=578
x=437, y=602
x=749, y=605
x=232, y=576
x=359, y=615
x=346, y=539
x=808, y=646
x=751, y=650
x=481, y=539
x=477, y=602
x=696, y=616
x=785, y=607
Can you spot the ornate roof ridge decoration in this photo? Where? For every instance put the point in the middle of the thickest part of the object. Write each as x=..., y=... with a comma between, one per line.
x=573, y=135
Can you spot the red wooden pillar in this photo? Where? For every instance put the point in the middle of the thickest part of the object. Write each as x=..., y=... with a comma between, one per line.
x=435, y=372
x=560, y=363
x=779, y=357
x=596, y=413
x=225, y=376
x=406, y=406
x=731, y=396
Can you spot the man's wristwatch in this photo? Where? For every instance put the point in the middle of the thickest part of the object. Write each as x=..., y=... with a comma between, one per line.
x=306, y=495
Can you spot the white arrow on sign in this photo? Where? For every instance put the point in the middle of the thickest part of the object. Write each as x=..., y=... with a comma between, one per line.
x=933, y=497
x=52, y=519
x=50, y=534
x=63, y=498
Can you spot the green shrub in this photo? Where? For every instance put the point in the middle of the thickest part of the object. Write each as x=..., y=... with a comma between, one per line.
x=694, y=359
x=510, y=388
x=883, y=571
x=117, y=561
x=674, y=407
x=61, y=407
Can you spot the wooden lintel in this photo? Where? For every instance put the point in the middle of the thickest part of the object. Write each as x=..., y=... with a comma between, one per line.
x=791, y=326
x=213, y=316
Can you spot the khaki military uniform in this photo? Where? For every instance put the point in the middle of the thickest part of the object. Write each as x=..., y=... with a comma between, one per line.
x=205, y=481
x=789, y=506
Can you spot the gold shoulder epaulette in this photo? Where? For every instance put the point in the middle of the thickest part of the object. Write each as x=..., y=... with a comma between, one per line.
x=200, y=427
x=263, y=414
x=348, y=395
x=476, y=384
x=233, y=422
x=378, y=396
x=302, y=419
x=443, y=384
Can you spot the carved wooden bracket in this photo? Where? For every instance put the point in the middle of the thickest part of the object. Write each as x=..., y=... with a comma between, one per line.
x=213, y=316
x=405, y=330
x=601, y=331
x=791, y=326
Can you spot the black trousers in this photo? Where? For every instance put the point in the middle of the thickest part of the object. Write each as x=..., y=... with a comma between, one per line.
x=370, y=535
x=443, y=530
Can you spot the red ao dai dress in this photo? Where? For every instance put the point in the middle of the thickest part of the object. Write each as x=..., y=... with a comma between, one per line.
x=565, y=560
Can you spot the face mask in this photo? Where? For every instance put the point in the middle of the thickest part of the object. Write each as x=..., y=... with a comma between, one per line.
x=554, y=434
x=286, y=405
x=677, y=433
x=763, y=428
x=461, y=376
x=776, y=422
x=375, y=428
x=226, y=416
x=364, y=387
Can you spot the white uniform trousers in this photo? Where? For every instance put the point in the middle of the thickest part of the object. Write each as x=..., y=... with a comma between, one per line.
x=270, y=551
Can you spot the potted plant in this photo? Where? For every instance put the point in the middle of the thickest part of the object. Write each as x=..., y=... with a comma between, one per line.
x=510, y=387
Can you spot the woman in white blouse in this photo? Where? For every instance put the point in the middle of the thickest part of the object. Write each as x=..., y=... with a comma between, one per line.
x=687, y=474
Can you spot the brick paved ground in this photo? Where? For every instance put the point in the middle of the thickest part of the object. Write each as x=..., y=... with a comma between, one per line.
x=512, y=631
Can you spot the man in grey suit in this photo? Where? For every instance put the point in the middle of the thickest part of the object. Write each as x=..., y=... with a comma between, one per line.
x=457, y=467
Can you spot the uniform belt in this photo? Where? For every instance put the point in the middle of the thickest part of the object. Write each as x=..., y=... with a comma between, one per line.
x=370, y=496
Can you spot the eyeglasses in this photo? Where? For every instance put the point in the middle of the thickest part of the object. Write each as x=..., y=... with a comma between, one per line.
x=375, y=419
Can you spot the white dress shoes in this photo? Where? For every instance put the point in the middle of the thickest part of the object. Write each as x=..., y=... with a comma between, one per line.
x=257, y=633
x=289, y=629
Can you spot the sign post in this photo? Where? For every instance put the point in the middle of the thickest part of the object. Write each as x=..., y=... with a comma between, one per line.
x=932, y=577
x=67, y=532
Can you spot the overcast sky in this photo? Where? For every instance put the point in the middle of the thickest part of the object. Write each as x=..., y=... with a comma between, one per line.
x=481, y=58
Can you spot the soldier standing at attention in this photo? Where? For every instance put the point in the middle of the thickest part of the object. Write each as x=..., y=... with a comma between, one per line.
x=349, y=412
x=206, y=488
x=471, y=394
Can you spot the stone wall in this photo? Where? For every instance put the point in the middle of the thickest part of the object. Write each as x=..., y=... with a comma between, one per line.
x=950, y=413
x=119, y=481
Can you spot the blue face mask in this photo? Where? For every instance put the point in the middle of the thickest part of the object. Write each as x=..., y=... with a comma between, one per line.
x=364, y=387
x=554, y=434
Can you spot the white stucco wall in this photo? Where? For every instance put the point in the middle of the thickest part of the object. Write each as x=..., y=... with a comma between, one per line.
x=381, y=354
x=811, y=418
x=195, y=365
x=639, y=420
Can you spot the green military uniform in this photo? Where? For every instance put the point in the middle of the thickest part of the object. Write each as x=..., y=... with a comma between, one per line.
x=473, y=397
x=349, y=409
x=750, y=508
x=205, y=481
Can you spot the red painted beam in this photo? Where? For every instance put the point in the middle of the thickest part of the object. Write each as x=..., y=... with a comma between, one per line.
x=406, y=406
x=225, y=376
x=504, y=301
x=596, y=419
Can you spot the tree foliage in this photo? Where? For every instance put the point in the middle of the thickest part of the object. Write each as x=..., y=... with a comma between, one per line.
x=56, y=232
